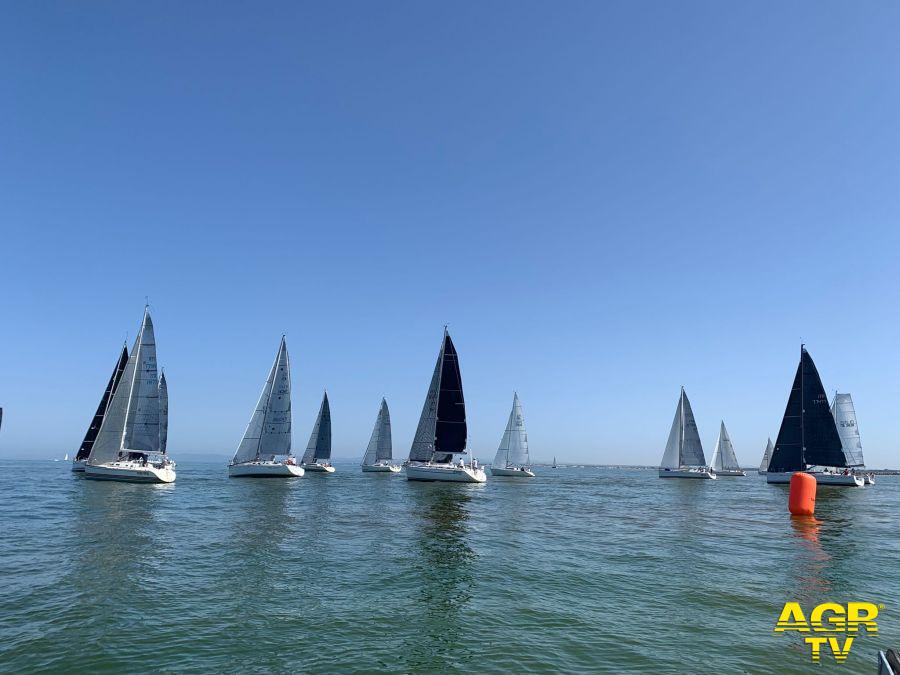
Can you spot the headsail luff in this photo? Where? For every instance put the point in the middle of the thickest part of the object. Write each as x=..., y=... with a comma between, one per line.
x=269, y=431
x=319, y=446
x=163, y=413
x=724, y=458
x=97, y=421
x=808, y=435
x=845, y=418
x=513, y=450
x=380, y=447
x=132, y=419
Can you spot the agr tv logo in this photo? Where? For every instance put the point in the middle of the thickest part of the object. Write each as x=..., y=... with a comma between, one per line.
x=829, y=617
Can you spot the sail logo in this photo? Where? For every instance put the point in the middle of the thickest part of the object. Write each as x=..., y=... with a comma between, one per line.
x=829, y=617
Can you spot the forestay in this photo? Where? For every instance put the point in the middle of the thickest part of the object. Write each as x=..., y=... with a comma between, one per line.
x=513, y=450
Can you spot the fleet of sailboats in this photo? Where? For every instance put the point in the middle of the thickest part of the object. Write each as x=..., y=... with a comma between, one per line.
x=265, y=449
x=442, y=431
x=378, y=457
x=684, y=457
x=724, y=461
x=127, y=444
x=318, y=452
x=512, y=457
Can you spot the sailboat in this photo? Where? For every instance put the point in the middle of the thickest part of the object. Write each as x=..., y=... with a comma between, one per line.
x=442, y=430
x=844, y=414
x=767, y=455
x=808, y=439
x=683, y=457
x=66, y=457
x=378, y=453
x=724, y=461
x=268, y=433
x=90, y=436
x=318, y=452
x=554, y=461
x=127, y=445
x=512, y=456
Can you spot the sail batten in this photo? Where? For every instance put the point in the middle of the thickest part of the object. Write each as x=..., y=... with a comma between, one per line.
x=319, y=446
x=513, y=450
x=844, y=414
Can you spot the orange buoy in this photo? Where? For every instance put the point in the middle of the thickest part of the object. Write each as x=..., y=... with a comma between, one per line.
x=802, y=499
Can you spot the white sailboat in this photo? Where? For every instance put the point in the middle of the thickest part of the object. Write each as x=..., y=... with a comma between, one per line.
x=767, y=455
x=512, y=457
x=378, y=453
x=127, y=447
x=84, y=450
x=683, y=457
x=318, y=451
x=268, y=433
x=844, y=413
x=724, y=461
x=442, y=430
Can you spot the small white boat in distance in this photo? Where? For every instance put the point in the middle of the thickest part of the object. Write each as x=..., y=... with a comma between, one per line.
x=724, y=461
x=380, y=449
x=684, y=452
x=84, y=450
x=767, y=455
x=317, y=457
x=127, y=447
x=442, y=430
x=269, y=433
x=512, y=459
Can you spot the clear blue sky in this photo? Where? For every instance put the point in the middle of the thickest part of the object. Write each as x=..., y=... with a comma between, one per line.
x=605, y=201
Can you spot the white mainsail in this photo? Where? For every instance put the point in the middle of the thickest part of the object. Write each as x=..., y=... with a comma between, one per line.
x=845, y=417
x=319, y=446
x=767, y=455
x=513, y=450
x=380, y=447
x=132, y=419
x=163, y=413
x=269, y=431
x=723, y=458
x=683, y=447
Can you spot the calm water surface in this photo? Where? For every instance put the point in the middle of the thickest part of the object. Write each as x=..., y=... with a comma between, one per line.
x=581, y=569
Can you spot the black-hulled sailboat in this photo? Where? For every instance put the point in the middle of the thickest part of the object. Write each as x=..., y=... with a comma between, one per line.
x=90, y=436
x=442, y=430
x=808, y=439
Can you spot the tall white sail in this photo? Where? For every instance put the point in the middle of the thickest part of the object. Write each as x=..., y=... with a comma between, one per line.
x=767, y=455
x=380, y=447
x=513, y=450
x=132, y=419
x=269, y=431
x=845, y=417
x=724, y=458
x=422, y=449
x=319, y=446
x=163, y=413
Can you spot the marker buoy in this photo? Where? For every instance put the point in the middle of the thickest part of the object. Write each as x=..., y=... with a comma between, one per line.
x=802, y=499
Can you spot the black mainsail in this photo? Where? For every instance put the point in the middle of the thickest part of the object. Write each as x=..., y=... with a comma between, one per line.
x=85, y=450
x=808, y=434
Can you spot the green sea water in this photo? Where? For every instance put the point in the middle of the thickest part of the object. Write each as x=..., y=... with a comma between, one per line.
x=579, y=570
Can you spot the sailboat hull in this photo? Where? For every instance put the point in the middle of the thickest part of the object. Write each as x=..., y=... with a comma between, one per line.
x=512, y=472
x=687, y=473
x=784, y=478
x=319, y=468
x=130, y=472
x=449, y=473
x=78, y=465
x=869, y=479
x=730, y=473
x=380, y=468
x=264, y=470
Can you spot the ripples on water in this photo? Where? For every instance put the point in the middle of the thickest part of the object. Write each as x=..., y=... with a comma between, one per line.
x=577, y=570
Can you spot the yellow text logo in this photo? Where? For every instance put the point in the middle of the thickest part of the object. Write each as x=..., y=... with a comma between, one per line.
x=841, y=621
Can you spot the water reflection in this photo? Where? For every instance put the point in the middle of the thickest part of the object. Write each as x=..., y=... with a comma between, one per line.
x=259, y=530
x=445, y=574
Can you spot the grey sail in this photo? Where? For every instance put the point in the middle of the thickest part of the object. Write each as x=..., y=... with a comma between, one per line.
x=319, y=446
x=724, y=458
x=380, y=447
x=513, y=450
x=845, y=417
x=132, y=419
x=672, y=455
x=691, y=448
x=767, y=455
x=163, y=413
x=422, y=449
x=269, y=431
